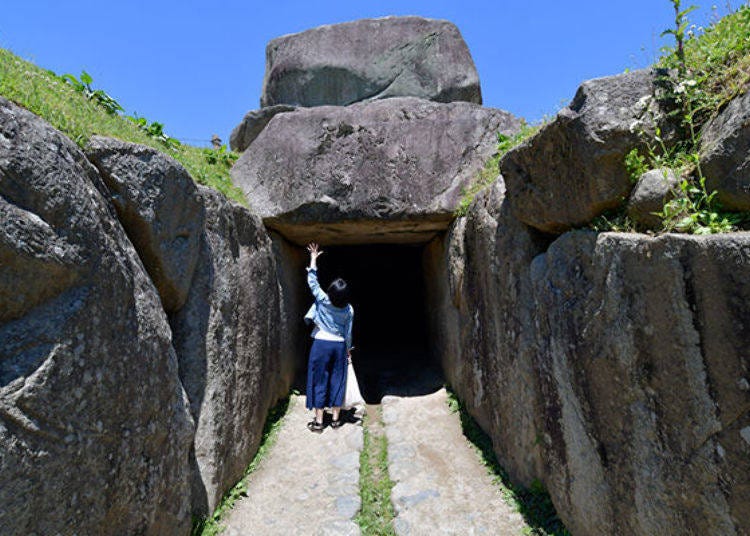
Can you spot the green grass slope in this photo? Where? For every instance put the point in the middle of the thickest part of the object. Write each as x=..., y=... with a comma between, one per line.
x=48, y=96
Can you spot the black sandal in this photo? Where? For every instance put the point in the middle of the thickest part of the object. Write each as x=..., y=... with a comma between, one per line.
x=315, y=426
x=337, y=423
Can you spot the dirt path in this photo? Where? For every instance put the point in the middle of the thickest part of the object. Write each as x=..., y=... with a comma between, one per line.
x=307, y=486
x=440, y=485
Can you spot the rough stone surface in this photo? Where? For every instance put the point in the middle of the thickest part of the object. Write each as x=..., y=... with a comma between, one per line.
x=158, y=205
x=227, y=338
x=639, y=368
x=573, y=169
x=252, y=125
x=295, y=300
x=605, y=366
x=481, y=324
x=370, y=59
x=307, y=485
x=357, y=173
x=653, y=189
x=725, y=158
x=94, y=424
x=439, y=485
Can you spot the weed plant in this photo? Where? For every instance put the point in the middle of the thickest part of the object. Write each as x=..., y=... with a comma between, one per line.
x=699, y=75
x=74, y=107
x=110, y=105
x=534, y=504
x=212, y=525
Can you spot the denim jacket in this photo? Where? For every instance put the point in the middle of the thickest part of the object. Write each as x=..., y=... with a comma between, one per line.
x=334, y=320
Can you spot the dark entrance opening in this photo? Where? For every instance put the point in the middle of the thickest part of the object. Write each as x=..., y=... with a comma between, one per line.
x=390, y=333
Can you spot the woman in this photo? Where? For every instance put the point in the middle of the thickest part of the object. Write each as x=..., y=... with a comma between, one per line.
x=332, y=315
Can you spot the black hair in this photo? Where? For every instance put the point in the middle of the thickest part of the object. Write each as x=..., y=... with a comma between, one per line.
x=338, y=292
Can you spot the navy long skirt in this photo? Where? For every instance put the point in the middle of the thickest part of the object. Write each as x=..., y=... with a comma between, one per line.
x=326, y=374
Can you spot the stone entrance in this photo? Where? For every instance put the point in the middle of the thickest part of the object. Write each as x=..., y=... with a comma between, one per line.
x=390, y=329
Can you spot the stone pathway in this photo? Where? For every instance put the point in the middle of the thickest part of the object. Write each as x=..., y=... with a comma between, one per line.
x=440, y=486
x=309, y=483
x=307, y=486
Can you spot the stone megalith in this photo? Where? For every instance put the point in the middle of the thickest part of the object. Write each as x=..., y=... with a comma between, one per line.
x=357, y=172
x=341, y=64
x=228, y=340
x=94, y=424
x=574, y=168
x=645, y=381
x=158, y=205
x=725, y=158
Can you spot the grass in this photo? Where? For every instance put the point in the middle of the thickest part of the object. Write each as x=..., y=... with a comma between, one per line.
x=533, y=504
x=212, y=525
x=698, y=76
x=491, y=170
x=718, y=59
x=45, y=94
x=375, y=517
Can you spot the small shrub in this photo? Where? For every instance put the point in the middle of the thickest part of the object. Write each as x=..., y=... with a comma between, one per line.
x=83, y=86
x=635, y=163
x=690, y=94
x=220, y=157
x=155, y=131
x=697, y=212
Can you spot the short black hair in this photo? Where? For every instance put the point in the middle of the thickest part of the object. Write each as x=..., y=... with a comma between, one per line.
x=338, y=292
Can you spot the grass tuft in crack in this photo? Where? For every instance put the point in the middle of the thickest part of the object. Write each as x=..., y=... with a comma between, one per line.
x=213, y=525
x=534, y=504
x=376, y=515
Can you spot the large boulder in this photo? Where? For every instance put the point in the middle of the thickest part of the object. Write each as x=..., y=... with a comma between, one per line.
x=252, y=125
x=725, y=154
x=158, y=205
x=228, y=337
x=573, y=168
x=354, y=173
x=369, y=59
x=645, y=381
x=94, y=424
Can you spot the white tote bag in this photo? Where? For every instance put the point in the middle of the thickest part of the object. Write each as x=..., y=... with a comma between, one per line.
x=352, y=396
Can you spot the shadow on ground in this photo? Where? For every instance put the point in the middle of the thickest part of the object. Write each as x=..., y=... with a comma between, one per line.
x=394, y=373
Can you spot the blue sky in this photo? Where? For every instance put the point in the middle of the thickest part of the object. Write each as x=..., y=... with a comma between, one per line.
x=198, y=67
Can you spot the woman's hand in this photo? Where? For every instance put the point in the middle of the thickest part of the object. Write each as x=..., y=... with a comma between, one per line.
x=315, y=252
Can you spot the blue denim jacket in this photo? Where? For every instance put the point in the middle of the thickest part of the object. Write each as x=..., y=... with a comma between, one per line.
x=334, y=320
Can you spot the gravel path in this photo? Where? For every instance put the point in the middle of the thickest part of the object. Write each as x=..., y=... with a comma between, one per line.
x=307, y=486
x=440, y=486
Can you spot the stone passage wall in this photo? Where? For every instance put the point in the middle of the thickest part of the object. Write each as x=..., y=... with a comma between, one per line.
x=612, y=367
x=141, y=338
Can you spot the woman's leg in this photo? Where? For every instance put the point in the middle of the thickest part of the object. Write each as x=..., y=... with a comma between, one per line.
x=317, y=379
